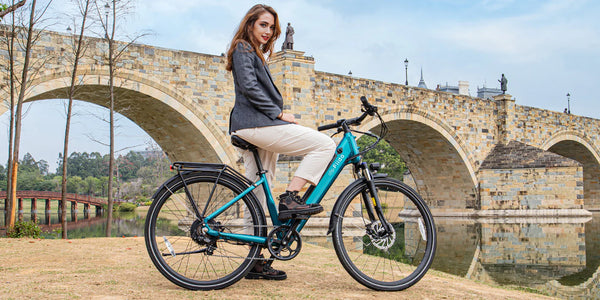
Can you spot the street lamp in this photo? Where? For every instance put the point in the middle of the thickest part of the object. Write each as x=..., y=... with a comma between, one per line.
x=406, y=71
x=106, y=11
x=569, y=103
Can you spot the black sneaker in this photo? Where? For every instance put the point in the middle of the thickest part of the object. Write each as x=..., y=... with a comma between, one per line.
x=263, y=270
x=291, y=207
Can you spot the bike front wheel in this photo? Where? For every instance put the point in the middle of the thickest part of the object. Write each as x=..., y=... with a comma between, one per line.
x=176, y=243
x=383, y=261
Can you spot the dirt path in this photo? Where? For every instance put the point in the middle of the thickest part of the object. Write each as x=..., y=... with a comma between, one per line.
x=119, y=268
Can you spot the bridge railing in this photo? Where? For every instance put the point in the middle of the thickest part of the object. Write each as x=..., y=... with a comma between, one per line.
x=57, y=196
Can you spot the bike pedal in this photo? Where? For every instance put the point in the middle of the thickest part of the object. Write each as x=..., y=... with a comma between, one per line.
x=300, y=217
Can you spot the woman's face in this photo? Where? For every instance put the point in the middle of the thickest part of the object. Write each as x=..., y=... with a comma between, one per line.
x=263, y=28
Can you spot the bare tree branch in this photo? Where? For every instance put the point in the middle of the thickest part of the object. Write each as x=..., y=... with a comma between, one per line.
x=11, y=8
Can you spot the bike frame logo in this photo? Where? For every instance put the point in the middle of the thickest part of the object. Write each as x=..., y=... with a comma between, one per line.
x=338, y=161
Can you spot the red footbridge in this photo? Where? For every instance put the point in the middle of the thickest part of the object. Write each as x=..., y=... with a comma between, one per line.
x=47, y=197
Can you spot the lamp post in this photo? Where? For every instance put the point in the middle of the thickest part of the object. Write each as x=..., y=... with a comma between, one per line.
x=106, y=11
x=569, y=103
x=406, y=71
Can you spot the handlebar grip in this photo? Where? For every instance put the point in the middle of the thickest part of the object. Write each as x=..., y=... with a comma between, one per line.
x=370, y=109
x=364, y=101
x=328, y=126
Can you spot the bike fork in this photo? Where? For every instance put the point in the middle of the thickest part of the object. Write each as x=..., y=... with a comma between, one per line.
x=372, y=201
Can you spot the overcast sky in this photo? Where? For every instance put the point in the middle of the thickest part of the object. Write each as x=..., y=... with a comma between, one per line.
x=546, y=49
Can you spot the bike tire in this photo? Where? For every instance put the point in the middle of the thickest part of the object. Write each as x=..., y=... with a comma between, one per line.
x=172, y=227
x=385, y=264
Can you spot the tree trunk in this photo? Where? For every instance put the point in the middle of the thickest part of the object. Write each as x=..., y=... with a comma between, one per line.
x=9, y=204
x=111, y=162
x=18, y=115
x=78, y=54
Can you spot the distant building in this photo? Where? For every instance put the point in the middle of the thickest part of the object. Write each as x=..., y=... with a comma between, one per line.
x=461, y=89
x=488, y=93
x=422, y=82
x=448, y=88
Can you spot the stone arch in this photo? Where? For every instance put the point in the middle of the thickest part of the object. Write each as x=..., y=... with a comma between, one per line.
x=439, y=162
x=579, y=147
x=183, y=131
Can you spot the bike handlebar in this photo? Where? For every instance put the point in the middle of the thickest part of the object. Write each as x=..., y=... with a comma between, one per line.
x=330, y=126
x=368, y=110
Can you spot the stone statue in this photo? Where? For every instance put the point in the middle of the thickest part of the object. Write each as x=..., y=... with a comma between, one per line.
x=288, y=43
x=503, y=83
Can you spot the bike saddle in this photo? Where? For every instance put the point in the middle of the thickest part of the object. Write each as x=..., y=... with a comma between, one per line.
x=241, y=143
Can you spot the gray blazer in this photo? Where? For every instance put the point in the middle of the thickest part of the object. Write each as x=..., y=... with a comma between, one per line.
x=257, y=99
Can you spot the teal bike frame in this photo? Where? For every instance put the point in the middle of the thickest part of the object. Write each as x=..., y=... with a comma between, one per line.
x=346, y=153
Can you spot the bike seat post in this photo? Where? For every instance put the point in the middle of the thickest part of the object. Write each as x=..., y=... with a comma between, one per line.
x=259, y=166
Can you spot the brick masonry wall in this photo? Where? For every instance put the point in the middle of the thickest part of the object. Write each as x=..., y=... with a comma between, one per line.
x=531, y=188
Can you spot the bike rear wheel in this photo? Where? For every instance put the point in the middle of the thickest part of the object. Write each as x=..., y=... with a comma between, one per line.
x=175, y=241
x=385, y=262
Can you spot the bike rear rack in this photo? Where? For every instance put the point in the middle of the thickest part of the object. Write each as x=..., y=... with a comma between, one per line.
x=181, y=166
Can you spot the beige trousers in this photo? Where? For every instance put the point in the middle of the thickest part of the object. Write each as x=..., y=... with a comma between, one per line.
x=295, y=140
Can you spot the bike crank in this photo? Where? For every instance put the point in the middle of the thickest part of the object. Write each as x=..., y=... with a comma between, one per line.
x=284, y=243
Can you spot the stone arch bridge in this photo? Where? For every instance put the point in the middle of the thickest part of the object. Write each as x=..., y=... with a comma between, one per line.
x=454, y=145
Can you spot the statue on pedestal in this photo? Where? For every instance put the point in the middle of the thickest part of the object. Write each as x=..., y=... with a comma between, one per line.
x=288, y=43
x=503, y=84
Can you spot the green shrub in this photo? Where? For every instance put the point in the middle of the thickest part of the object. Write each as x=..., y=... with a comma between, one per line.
x=126, y=207
x=25, y=229
x=141, y=200
x=148, y=203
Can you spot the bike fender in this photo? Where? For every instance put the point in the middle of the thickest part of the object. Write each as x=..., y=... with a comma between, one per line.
x=336, y=207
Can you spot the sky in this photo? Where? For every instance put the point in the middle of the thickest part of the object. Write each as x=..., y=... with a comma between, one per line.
x=546, y=49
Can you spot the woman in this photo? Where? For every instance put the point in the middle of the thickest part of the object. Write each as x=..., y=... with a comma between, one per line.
x=258, y=118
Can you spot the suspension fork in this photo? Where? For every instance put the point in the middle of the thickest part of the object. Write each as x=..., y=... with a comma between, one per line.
x=372, y=201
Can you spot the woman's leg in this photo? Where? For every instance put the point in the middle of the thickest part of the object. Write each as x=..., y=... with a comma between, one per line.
x=317, y=149
x=262, y=269
x=296, y=184
x=269, y=162
x=295, y=140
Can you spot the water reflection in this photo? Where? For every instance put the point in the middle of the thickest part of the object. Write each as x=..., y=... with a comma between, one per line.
x=86, y=225
x=551, y=255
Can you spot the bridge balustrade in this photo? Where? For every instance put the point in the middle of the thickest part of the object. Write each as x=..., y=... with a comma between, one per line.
x=48, y=196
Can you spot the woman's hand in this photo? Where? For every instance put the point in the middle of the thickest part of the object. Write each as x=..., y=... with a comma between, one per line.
x=287, y=117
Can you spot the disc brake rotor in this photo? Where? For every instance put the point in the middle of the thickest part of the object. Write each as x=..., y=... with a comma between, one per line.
x=379, y=237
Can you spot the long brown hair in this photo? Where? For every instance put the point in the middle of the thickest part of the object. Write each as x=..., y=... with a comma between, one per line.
x=244, y=33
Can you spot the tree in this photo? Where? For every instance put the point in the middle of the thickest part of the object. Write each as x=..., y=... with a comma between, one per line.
x=19, y=84
x=385, y=154
x=92, y=186
x=10, y=37
x=114, y=12
x=2, y=176
x=78, y=52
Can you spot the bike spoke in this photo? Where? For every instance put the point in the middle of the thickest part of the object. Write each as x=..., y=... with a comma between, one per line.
x=202, y=261
x=379, y=256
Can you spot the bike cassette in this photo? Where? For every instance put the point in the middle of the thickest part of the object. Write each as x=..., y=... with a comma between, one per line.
x=198, y=235
x=284, y=243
